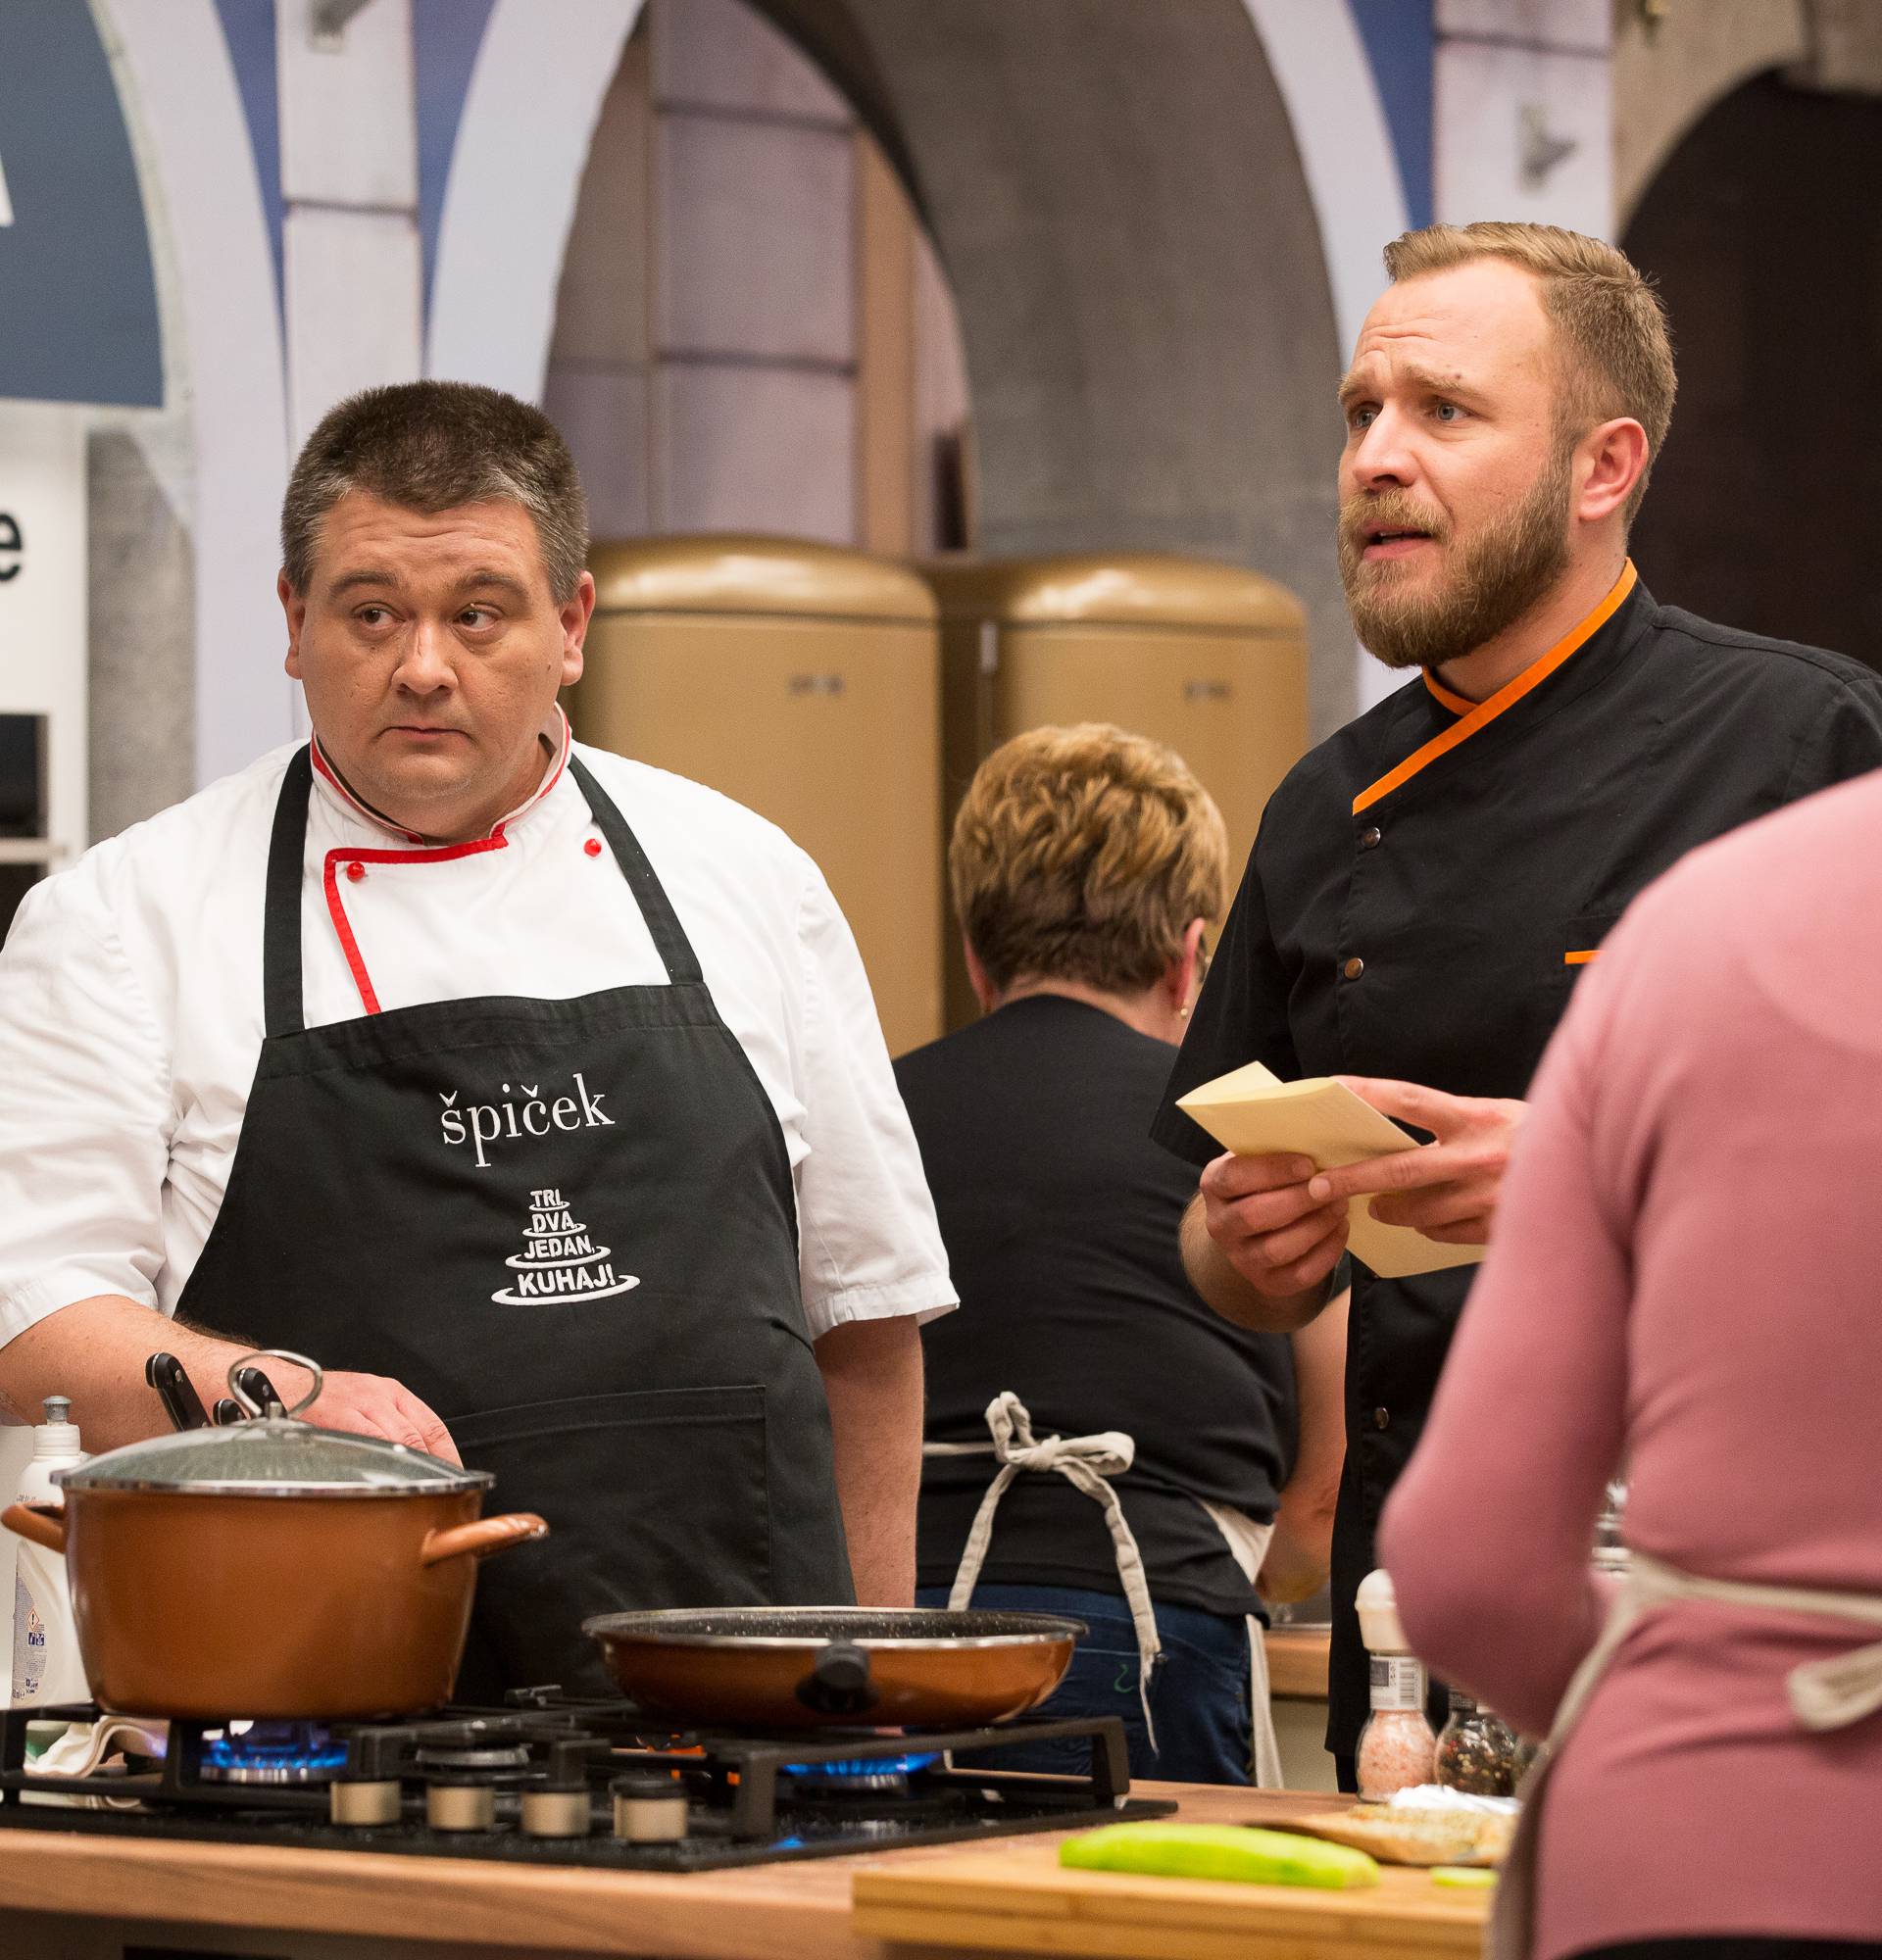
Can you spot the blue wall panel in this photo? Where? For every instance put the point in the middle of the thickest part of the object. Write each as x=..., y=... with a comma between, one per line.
x=248, y=27
x=77, y=297
x=445, y=37
x=1401, y=42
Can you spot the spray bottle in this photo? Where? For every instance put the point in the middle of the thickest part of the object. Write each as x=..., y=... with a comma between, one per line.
x=47, y=1671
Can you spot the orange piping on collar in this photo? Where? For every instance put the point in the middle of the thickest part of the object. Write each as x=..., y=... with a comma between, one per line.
x=1483, y=713
x=1458, y=703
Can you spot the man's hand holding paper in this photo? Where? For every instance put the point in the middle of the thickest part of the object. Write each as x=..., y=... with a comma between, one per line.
x=1319, y=1168
x=1448, y=1190
x=1261, y=1216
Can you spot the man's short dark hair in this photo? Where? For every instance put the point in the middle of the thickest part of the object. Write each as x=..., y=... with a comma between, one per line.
x=435, y=445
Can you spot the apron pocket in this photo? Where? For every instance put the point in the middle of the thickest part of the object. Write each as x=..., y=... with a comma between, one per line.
x=658, y=1498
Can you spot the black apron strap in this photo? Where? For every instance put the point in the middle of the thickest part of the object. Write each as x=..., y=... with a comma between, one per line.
x=663, y=922
x=281, y=918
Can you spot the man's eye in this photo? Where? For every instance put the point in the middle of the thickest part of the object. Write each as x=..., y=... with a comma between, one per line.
x=1448, y=412
x=477, y=615
x=373, y=616
x=1362, y=418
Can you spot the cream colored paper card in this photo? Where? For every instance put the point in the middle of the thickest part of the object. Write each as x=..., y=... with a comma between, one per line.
x=1252, y=1112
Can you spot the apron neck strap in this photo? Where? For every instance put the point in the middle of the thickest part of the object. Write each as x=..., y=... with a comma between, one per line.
x=663, y=922
x=282, y=977
x=282, y=920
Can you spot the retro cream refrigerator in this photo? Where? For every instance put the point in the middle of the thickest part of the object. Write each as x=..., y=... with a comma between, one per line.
x=1208, y=658
x=803, y=681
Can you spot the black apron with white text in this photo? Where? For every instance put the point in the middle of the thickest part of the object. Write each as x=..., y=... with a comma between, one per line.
x=569, y=1226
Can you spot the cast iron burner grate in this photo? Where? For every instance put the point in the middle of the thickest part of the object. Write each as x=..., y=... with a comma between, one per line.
x=746, y=1798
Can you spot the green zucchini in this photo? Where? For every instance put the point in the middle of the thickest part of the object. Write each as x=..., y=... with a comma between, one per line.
x=1236, y=1851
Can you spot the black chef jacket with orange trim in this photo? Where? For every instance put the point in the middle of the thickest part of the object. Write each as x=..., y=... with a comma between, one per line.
x=1426, y=885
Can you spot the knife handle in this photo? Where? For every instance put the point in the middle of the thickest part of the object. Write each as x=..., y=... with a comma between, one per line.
x=181, y=1403
x=259, y=1389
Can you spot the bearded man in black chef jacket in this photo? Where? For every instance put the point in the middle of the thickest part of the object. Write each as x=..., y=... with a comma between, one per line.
x=1427, y=884
x=494, y=1072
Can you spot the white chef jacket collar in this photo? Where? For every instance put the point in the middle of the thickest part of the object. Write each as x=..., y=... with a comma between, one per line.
x=557, y=739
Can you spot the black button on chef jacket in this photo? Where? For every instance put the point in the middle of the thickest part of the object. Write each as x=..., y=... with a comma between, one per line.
x=1426, y=887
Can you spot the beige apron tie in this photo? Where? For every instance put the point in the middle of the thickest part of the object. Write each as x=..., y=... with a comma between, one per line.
x=1824, y=1694
x=1087, y=1463
x=1246, y=1544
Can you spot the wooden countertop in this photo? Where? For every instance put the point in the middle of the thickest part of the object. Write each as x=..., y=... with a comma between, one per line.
x=1297, y=1662
x=66, y=1891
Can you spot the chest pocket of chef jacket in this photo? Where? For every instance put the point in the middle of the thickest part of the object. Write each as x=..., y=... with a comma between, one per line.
x=1581, y=939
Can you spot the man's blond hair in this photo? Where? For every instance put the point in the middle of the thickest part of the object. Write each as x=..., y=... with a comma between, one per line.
x=1608, y=320
x=1083, y=854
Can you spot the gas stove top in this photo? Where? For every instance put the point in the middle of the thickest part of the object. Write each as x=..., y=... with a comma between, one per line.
x=554, y=1782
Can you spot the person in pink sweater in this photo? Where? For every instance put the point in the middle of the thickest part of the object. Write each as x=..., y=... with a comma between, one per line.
x=1682, y=1285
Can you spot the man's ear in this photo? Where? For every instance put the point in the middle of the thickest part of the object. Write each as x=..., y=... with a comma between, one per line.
x=1615, y=454
x=295, y=607
x=575, y=614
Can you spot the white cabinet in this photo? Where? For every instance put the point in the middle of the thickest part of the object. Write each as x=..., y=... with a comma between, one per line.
x=42, y=643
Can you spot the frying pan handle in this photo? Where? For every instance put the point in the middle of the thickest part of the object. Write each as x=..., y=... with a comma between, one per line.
x=838, y=1682
x=480, y=1537
x=43, y=1524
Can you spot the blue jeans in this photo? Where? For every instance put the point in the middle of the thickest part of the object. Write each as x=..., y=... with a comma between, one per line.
x=1198, y=1695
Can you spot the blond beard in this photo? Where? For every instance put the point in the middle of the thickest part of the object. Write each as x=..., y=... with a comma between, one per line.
x=1494, y=577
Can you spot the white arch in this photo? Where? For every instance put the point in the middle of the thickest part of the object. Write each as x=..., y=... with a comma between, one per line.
x=1320, y=65
x=190, y=119
x=535, y=96
x=529, y=114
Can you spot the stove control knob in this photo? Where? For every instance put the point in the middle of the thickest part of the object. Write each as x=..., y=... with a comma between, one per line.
x=460, y=1806
x=557, y=1810
x=649, y=1808
x=363, y=1801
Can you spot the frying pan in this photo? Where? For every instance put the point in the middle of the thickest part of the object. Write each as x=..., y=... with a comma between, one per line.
x=808, y=1667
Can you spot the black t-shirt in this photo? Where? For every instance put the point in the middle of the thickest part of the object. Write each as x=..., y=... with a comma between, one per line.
x=1431, y=934
x=1061, y=1219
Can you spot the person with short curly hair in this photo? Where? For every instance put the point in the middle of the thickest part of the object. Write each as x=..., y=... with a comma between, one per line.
x=1150, y=1443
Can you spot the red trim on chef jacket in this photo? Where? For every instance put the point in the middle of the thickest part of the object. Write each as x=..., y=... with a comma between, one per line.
x=442, y=854
x=436, y=854
x=331, y=776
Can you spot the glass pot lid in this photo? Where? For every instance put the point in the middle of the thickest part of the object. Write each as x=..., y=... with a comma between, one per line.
x=270, y=1454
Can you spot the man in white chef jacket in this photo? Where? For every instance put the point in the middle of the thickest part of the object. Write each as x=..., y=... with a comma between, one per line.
x=536, y=1094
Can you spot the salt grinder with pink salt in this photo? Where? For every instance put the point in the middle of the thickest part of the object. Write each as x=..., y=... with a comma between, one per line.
x=1397, y=1749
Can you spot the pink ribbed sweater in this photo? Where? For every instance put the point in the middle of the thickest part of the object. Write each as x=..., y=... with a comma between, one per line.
x=1687, y=1274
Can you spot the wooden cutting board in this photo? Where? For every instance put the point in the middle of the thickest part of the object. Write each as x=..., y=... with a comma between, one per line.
x=1018, y=1899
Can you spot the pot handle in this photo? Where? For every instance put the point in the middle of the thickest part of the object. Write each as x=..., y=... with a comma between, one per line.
x=42, y=1524
x=480, y=1537
x=241, y=1376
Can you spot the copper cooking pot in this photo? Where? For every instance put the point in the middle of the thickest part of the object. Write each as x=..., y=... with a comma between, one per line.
x=806, y=1667
x=270, y=1568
